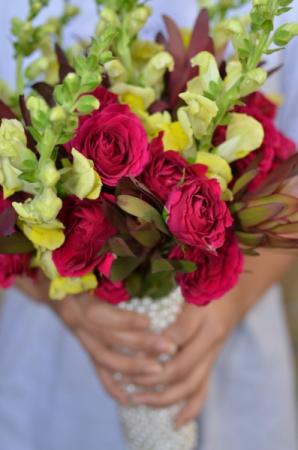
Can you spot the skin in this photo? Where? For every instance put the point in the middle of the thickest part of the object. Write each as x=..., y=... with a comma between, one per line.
x=101, y=329
x=195, y=339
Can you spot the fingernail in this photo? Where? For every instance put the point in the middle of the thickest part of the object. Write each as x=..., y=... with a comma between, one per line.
x=167, y=347
x=152, y=368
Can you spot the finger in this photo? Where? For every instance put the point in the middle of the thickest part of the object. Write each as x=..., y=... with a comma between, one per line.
x=101, y=314
x=186, y=326
x=116, y=362
x=136, y=341
x=193, y=407
x=111, y=386
x=182, y=364
x=175, y=393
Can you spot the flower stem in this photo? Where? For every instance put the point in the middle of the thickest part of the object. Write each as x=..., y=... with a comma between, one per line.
x=20, y=83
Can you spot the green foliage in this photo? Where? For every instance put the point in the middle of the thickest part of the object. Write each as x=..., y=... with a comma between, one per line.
x=120, y=6
x=218, y=9
x=251, y=40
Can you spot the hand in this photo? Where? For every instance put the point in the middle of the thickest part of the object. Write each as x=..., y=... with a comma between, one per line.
x=199, y=334
x=102, y=329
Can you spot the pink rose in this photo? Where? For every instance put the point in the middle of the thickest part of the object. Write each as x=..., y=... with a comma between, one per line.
x=12, y=266
x=115, y=140
x=166, y=170
x=110, y=292
x=86, y=232
x=196, y=214
x=216, y=274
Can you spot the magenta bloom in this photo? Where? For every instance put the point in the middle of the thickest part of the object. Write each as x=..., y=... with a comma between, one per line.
x=86, y=231
x=110, y=292
x=216, y=274
x=167, y=169
x=115, y=140
x=196, y=214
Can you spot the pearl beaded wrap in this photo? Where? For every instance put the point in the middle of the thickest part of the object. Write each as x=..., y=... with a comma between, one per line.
x=147, y=428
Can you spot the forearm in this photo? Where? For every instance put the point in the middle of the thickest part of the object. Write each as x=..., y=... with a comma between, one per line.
x=260, y=273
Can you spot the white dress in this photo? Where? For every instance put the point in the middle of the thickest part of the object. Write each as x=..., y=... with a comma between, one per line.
x=50, y=397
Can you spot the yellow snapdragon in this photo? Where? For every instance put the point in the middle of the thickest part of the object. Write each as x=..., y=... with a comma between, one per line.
x=60, y=287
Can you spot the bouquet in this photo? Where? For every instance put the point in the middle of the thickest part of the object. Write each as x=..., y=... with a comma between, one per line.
x=143, y=171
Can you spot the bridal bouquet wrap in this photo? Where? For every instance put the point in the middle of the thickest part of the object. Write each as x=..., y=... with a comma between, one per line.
x=143, y=171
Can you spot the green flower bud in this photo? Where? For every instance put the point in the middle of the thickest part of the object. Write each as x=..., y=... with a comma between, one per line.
x=208, y=73
x=80, y=178
x=285, y=33
x=36, y=68
x=253, y=81
x=108, y=18
x=199, y=111
x=12, y=138
x=36, y=105
x=138, y=19
x=116, y=71
x=155, y=69
x=72, y=82
x=57, y=114
x=43, y=208
x=48, y=175
x=36, y=7
x=9, y=177
x=71, y=11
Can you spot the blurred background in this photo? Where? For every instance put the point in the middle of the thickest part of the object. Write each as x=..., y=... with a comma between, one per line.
x=290, y=290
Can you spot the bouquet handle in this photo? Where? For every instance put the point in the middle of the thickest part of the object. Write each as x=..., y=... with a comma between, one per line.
x=148, y=428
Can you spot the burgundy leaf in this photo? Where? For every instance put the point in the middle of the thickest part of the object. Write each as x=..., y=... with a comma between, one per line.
x=200, y=39
x=46, y=92
x=24, y=110
x=274, y=70
x=160, y=39
x=287, y=169
x=175, y=44
x=27, y=120
x=64, y=66
x=8, y=220
x=6, y=112
x=158, y=106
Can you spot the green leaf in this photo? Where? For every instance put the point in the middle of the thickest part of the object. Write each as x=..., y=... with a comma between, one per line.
x=252, y=217
x=138, y=208
x=289, y=228
x=182, y=265
x=120, y=247
x=16, y=243
x=244, y=181
x=28, y=176
x=134, y=284
x=149, y=237
x=86, y=104
x=161, y=265
x=123, y=267
x=250, y=239
x=157, y=285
